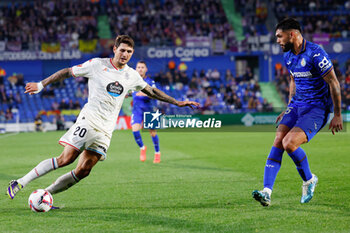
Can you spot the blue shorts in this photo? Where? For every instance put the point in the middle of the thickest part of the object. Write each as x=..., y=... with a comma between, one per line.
x=137, y=113
x=309, y=118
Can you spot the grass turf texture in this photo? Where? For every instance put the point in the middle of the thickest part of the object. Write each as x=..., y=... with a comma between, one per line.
x=203, y=184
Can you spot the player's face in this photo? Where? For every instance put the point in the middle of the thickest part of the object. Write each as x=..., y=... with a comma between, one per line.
x=284, y=39
x=142, y=69
x=122, y=54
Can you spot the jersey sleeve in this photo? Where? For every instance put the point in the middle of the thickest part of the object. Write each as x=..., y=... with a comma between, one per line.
x=139, y=83
x=83, y=70
x=321, y=62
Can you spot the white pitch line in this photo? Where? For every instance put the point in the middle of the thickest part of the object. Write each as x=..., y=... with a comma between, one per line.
x=8, y=135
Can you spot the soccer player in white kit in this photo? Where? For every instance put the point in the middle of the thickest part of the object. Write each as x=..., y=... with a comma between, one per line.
x=110, y=79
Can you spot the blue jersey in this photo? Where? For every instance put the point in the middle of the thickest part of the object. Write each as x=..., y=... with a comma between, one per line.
x=309, y=68
x=144, y=100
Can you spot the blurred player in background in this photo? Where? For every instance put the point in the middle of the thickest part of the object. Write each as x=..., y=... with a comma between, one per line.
x=109, y=81
x=142, y=103
x=314, y=92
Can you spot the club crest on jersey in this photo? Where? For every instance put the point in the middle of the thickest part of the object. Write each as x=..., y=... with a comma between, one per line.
x=303, y=62
x=115, y=89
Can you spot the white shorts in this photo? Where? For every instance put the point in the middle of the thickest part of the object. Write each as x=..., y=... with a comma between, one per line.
x=82, y=136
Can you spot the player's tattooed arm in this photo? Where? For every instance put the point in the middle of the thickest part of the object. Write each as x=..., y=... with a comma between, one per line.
x=34, y=88
x=155, y=93
x=334, y=87
x=158, y=94
x=337, y=121
x=58, y=76
x=291, y=88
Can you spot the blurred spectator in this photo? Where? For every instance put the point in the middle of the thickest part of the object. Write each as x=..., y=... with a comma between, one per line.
x=13, y=79
x=3, y=97
x=8, y=115
x=20, y=80
x=59, y=120
x=2, y=75
x=38, y=122
x=2, y=116
x=63, y=105
x=48, y=92
x=76, y=105
x=215, y=75
x=70, y=104
x=55, y=106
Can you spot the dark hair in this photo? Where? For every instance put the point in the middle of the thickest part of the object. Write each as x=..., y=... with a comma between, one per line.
x=287, y=24
x=124, y=39
x=142, y=62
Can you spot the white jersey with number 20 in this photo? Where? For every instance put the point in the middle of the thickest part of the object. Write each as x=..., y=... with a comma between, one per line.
x=108, y=86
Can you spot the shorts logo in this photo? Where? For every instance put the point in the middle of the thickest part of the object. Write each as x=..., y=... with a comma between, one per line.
x=103, y=148
x=151, y=120
x=115, y=89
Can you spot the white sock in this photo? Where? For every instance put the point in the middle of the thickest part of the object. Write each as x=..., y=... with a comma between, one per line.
x=63, y=182
x=269, y=191
x=41, y=169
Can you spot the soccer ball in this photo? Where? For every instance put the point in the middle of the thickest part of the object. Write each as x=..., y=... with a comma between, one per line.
x=40, y=201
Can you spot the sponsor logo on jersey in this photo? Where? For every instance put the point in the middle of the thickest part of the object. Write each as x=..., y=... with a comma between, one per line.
x=316, y=55
x=288, y=63
x=303, y=62
x=306, y=74
x=115, y=89
x=324, y=64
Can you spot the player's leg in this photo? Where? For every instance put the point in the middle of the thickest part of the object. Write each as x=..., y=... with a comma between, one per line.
x=87, y=161
x=272, y=167
x=274, y=159
x=137, y=135
x=68, y=156
x=155, y=140
x=291, y=143
x=136, y=120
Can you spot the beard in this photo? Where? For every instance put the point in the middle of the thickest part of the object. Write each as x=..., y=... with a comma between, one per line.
x=288, y=46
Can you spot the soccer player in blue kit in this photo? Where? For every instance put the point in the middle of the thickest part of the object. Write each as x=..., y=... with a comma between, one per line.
x=314, y=92
x=142, y=103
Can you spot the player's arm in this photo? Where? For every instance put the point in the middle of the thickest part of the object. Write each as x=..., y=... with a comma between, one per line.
x=155, y=93
x=34, y=88
x=291, y=94
x=291, y=89
x=334, y=86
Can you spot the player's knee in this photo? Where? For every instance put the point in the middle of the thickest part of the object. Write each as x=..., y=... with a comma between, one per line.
x=278, y=141
x=153, y=133
x=289, y=145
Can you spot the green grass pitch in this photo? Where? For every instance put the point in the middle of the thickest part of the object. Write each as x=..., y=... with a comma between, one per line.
x=203, y=184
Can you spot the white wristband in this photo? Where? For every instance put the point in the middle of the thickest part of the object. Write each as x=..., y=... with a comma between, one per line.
x=40, y=87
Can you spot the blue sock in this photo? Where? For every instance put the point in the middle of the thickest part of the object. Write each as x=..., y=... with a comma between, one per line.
x=300, y=160
x=138, y=139
x=273, y=165
x=155, y=140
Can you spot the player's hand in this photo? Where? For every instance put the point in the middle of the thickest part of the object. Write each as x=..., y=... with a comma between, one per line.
x=336, y=124
x=280, y=116
x=191, y=104
x=33, y=88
